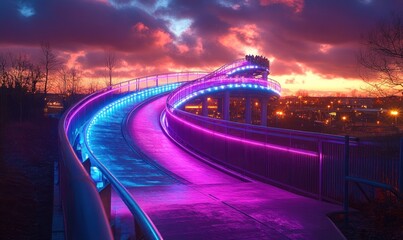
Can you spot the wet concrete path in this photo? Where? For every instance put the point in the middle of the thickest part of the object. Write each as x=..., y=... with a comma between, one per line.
x=188, y=199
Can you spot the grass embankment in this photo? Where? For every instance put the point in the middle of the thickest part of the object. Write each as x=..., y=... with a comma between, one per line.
x=27, y=153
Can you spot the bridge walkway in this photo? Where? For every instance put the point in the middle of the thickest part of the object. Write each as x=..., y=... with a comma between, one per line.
x=214, y=205
x=188, y=199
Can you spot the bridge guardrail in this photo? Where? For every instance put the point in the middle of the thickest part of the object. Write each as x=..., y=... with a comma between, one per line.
x=80, y=199
x=310, y=163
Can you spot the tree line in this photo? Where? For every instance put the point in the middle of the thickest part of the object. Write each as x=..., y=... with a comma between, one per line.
x=381, y=57
x=26, y=82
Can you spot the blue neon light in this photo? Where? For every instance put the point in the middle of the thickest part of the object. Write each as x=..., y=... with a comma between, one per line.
x=221, y=87
x=239, y=69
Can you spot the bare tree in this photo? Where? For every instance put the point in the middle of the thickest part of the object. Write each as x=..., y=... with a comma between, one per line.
x=110, y=64
x=35, y=75
x=18, y=73
x=62, y=80
x=3, y=71
x=382, y=57
x=50, y=63
x=19, y=79
x=92, y=87
x=69, y=81
x=73, y=85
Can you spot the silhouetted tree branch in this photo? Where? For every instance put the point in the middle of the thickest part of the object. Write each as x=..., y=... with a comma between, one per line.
x=110, y=64
x=382, y=57
x=50, y=63
x=69, y=81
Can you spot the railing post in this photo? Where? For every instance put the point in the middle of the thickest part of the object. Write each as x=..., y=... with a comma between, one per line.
x=204, y=106
x=106, y=195
x=226, y=105
x=263, y=116
x=346, y=173
x=248, y=109
x=87, y=165
x=401, y=167
x=320, y=151
x=137, y=230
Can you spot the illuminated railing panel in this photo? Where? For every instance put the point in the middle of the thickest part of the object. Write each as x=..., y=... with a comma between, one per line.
x=84, y=216
x=197, y=88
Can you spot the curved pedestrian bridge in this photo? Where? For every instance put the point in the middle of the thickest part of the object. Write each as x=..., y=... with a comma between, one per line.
x=142, y=171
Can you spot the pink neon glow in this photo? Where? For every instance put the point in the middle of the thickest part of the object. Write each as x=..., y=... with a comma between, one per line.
x=232, y=138
x=91, y=99
x=220, y=71
x=118, y=86
x=218, y=77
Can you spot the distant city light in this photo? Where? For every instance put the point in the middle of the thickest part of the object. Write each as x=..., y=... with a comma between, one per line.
x=394, y=112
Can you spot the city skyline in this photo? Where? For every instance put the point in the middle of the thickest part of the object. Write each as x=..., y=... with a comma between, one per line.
x=312, y=45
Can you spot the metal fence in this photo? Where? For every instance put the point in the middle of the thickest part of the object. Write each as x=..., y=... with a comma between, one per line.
x=84, y=214
x=309, y=163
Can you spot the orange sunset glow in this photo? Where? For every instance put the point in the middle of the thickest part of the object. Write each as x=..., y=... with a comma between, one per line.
x=312, y=45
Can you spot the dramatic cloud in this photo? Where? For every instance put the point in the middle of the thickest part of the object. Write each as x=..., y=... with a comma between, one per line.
x=310, y=43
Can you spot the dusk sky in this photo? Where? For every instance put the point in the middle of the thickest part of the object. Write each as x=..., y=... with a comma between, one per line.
x=312, y=44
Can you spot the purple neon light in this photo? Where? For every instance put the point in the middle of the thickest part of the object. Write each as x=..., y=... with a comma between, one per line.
x=91, y=99
x=237, y=139
x=125, y=84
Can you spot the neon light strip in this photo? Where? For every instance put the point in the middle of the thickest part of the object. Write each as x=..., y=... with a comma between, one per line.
x=127, y=100
x=119, y=86
x=245, y=68
x=221, y=87
x=242, y=140
x=91, y=99
x=190, y=89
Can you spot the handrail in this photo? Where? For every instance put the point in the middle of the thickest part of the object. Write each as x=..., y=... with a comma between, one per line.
x=272, y=131
x=142, y=219
x=84, y=214
x=192, y=89
x=219, y=76
x=220, y=71
x=376, y=184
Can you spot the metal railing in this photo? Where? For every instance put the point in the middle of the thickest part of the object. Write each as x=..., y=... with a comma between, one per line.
x=307, y=162
x=219, y=78
x=205, y=85
x=84, y=216
x=312, y=163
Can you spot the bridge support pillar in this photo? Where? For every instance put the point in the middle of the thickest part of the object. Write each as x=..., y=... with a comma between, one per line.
x=205, y=107
x=87, y=165
x=265, y=75
x=263, y=116
x=226, y=105
x=248, y=110
x=106, y=195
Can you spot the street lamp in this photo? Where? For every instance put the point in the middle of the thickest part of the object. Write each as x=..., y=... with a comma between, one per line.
x=395, y=114
x=279, y=113
x=344, y=119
